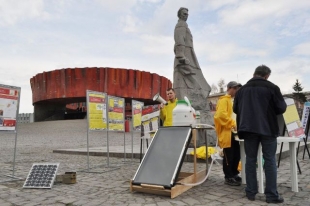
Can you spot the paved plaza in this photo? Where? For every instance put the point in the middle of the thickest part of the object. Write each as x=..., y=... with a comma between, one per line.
x=110, y=186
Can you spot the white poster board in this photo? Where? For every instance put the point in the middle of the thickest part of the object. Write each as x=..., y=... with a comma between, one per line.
x=292, y=121
x=150, y=120
x=9, y=107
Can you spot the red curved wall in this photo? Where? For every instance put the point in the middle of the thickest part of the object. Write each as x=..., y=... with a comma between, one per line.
x=70, y=85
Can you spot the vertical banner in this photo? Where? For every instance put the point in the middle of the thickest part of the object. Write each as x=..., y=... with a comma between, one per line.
x=136, y=114
x=96, y=110
x=305, y=115
x=116, y=109
x=150, y=119
x=292, y=121
x=9, y=107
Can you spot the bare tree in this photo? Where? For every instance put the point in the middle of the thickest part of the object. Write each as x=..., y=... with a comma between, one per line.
x=214, y=89
x=221, y=84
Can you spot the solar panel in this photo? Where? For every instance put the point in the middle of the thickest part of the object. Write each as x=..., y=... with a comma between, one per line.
x=41, y=175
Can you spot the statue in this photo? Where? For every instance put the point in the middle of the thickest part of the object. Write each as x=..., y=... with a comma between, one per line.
x=188, y=79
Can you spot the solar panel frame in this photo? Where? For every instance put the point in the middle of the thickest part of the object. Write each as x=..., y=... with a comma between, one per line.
x=41, y=176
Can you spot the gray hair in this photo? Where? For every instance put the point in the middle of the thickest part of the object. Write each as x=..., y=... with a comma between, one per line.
x=262, y=71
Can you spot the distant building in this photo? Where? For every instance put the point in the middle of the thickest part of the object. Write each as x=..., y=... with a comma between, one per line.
x=61, y=94
x=25, y=118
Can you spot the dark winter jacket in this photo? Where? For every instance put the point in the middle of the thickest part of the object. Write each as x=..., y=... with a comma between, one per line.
x=257, y=105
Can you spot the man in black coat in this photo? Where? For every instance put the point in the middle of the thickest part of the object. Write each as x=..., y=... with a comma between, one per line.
x=257, y=105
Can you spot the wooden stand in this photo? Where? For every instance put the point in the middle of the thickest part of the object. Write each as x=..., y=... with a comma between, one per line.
x=184, y=177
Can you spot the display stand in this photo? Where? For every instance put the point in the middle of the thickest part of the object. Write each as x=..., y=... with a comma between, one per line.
x=305, y=124
x=136, y=118
x=183, y=177
x=307, y=128
x=97, y=121
x=282, y=130
x=10, y=98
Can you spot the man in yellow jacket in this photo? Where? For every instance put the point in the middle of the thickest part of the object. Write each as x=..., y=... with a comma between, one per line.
x=166, y=110
x=225, y=123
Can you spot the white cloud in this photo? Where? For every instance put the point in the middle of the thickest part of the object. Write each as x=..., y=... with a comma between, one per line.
x=251, y=11
x=12, y=12
x=159, y=45
x=302, y=49
x=226, y=51
x=117, y=6
x=130, y=23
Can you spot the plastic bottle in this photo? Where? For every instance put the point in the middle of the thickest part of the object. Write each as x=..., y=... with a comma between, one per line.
x=183, y=114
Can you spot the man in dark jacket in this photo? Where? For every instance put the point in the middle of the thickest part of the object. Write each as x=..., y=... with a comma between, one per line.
x=257, y=105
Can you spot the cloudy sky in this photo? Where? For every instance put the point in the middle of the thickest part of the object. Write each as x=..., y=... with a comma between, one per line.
x=231, y=38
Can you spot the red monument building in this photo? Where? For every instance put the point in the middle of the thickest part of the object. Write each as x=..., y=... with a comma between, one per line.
x=54, y=92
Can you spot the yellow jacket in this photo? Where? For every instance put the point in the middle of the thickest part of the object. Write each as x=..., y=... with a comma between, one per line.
x=223, y=121
x=166, y=113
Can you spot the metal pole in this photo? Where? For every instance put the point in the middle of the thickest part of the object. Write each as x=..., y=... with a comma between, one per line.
x=108, y=156
x=124, y=148
x=87, y=110
x=87, y=148
x=14, y=151
x=16, y=128
x=131, y=133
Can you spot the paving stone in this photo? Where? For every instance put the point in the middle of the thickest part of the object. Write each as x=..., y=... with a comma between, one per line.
x=166, y=203
x=38, y=140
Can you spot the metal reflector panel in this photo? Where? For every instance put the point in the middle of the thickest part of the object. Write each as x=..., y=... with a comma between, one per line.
x=41, y=175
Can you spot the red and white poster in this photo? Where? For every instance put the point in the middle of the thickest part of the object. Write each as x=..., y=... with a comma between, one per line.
x=9, y=97
x=149, y=119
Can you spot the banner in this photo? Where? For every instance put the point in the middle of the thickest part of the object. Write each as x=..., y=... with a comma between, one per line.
x=136, y=114
x=9, y=104
x=305, y=115
x=116, y=108
x=96, y=110
x=149, y=120
x=292, y=121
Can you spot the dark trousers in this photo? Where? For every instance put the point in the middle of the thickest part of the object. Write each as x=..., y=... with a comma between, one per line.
x=269, y=148
x=231, y=159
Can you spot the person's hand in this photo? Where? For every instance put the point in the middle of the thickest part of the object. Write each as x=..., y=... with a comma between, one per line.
x=162, y=105
x=184, y=60
x=234, y=129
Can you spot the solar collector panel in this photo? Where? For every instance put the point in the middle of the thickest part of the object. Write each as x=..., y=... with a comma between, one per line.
x=164, y=157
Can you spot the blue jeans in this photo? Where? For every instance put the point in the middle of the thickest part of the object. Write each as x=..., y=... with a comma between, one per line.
x=269, y=148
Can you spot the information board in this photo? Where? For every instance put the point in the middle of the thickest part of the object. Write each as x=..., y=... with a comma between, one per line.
x=116, y=108
x=136, y=114
x=9, y=107
x=96, y=110
x=150, y=119
x=305, y=115
x=292, y=121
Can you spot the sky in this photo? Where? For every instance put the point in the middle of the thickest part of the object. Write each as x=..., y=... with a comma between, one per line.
x=231, y=38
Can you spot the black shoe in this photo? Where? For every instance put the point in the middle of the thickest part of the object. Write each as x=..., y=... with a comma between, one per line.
x=238, y=178
x=251, y=198
x=279, y=200
x=232, y=182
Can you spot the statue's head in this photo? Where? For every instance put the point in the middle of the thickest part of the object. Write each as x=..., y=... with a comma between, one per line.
x=183, y=13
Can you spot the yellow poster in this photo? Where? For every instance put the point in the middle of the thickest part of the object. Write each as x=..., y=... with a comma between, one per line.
x=136, y=114
x=292, y=121
x=97, y=111
x=116, y=114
